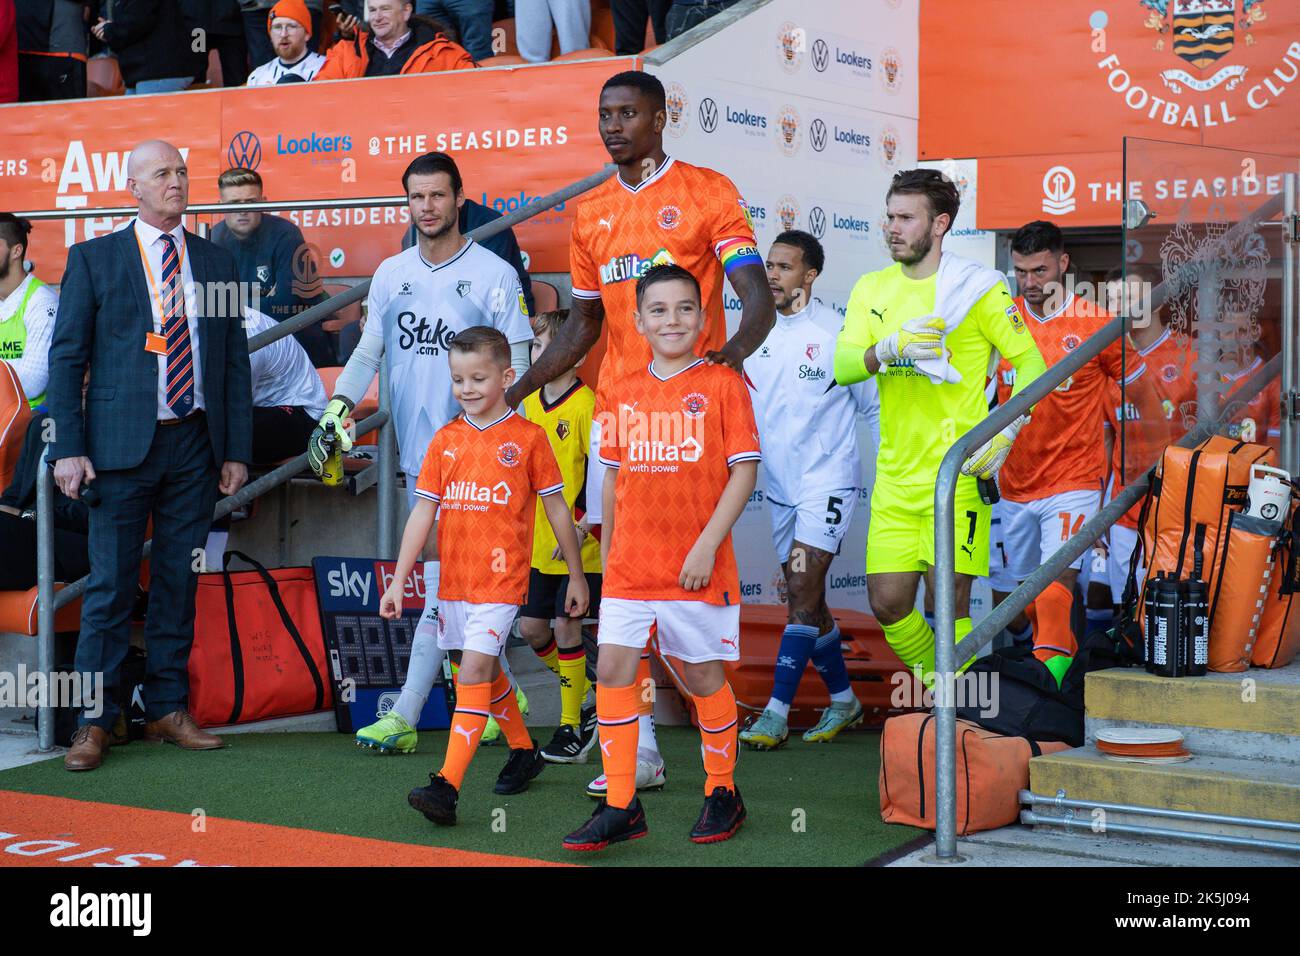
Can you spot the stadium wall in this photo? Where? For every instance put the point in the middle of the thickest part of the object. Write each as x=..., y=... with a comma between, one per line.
x=810, y=109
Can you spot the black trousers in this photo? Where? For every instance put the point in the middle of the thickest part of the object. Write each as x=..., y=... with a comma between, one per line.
x=50, y=78
x=232, y=51
x=629, y=23
x=18, y=553
x=280, y=432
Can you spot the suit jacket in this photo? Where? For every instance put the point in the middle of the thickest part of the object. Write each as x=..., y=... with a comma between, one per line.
x=104, y=313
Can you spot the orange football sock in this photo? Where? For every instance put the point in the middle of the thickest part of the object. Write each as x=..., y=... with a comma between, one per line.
x=467, y=725
x=645, y=702
x=505, y=708
x=1054, y=635
x=1031, y=612
x=717, y=718
x=616, y=713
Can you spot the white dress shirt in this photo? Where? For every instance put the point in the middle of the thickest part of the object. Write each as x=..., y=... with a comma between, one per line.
x=282, y=373
x=151, y=240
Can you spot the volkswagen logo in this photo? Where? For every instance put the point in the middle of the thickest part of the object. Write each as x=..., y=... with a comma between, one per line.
x=821, y=56
x=708, y=114
x=817, y=221
x=245, y=150
x=817, y=134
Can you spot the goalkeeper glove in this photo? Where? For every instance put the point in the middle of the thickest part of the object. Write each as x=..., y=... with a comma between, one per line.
x=986, y=461
x=318, y=447
x=918, y=339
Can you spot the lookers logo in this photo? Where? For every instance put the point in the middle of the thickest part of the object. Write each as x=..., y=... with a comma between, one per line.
x=312, y=145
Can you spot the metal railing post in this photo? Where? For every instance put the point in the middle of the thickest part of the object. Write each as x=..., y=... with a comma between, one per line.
x=1290, y=316
x=45, y=600
x=945, y=632
x=387, y=490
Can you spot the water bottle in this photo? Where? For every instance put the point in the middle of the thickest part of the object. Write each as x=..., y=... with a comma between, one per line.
x=1164, y=612
x=332, y=473
x=1195, y=630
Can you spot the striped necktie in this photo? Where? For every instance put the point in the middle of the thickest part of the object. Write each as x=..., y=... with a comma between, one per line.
x=176, y=330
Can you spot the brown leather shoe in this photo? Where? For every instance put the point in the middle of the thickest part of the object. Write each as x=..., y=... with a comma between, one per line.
x=179, y=728
x=89, y=747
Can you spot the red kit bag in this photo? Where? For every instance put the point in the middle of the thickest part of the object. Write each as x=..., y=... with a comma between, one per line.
x=258, y=648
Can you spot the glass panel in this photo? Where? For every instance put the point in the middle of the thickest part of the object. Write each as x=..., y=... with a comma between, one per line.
x=1192, y=222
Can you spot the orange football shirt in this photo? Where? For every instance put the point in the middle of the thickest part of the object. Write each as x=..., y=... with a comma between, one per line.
x=1260, y=419
x=673, y=442
x=682, y=214
x=484, y=481
x=1164, y=370
x=1061, y=448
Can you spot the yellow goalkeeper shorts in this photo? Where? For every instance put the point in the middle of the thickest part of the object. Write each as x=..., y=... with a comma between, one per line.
x=901, y=534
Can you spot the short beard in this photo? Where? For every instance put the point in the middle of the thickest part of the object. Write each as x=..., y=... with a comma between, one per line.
x=4, y=269
x=916, y=252
x=434, y=236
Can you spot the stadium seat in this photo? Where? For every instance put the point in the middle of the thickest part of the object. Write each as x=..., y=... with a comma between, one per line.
x=103, y=78
x=591, y=53
x=602, y=28
x=546, y=298
x=508, y=29
x=365, y=408
x=14, y=418
x=18, y=613
x=505, y=59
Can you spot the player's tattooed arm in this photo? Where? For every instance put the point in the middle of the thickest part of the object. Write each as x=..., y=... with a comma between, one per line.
x=758, y=315
x=574, y=340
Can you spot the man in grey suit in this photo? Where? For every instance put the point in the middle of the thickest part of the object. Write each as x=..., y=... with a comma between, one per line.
x=154, y=313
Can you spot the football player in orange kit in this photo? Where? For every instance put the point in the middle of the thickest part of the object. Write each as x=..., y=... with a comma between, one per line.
x=657, y=210
x=1052, y=481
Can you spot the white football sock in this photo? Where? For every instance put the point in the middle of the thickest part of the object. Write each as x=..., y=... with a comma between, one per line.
x=778, y=707
x=845, y=696
x=425, y=666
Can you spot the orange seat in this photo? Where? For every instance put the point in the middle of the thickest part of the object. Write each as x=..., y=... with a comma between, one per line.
x=602, y=28
x=364, y=409
x=591, y=53
x=344, y=316
x=103, y=77
x=15, y=415
x=505, y=59
x=18, y=613
x=546, y=298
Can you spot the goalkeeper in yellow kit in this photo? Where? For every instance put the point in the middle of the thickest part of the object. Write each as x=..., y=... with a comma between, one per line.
x=931, y=369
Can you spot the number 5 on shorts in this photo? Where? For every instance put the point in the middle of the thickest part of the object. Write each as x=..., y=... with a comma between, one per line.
x=833, y=513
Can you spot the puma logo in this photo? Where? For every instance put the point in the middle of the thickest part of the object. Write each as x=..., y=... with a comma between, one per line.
x=450, y=453
x=730, y=642
x=880, y=315
x=970, y=552
x=720, y=751
x=501, y=716
x=607, y=223
x=466, y=732
x=604, y=747
x=495, y=636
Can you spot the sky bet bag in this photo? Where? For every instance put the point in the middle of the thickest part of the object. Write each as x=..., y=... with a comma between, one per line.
x=257, y=651
x=368, y=656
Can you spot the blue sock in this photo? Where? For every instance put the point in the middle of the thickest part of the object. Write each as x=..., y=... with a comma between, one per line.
x=796, y=646
x=1019, y=638
x=828, y=658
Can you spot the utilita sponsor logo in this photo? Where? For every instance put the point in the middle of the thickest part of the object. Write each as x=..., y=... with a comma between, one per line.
x=312, y=144
x=470, y=495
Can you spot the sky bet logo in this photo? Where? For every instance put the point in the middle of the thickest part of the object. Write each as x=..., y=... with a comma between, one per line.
x=308, y=145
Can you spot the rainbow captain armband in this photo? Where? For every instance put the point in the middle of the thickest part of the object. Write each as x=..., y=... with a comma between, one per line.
x=734, y=253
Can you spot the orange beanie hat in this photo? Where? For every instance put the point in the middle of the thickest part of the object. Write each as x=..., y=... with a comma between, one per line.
x=294, y=10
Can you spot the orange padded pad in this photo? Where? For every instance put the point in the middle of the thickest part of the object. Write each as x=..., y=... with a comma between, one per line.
x=18, y=613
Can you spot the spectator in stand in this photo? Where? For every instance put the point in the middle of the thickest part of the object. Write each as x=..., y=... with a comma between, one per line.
x=271, y=254
x=504, y=244
x=152, y=42
x=629, y=23
x=52, y=47
x=288, y=395
x=471, y=19
x=686, y=14
x=223, y=30
x=534, y=20
x=27, y=310
x=289, y=25
x=8, y=52
x=397, y=43
x=255, y=14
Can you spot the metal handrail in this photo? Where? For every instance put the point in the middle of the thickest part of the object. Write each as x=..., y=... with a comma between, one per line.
x=946, y=653
x=48, y=601
x=220, y=208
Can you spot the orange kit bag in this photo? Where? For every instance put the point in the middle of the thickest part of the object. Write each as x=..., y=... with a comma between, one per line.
x=258, y=647
x=1278, y=638
x=1238, y=597
x=992, y=769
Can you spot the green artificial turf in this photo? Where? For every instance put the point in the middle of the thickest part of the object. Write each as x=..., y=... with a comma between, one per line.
x=808, y=804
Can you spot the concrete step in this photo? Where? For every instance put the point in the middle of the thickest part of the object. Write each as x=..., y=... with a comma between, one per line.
x=1257, y=701
x=1230, y=786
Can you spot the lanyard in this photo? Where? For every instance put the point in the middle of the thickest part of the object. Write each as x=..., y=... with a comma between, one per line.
x=153, y=287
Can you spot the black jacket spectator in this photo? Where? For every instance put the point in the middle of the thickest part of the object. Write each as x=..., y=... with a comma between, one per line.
x=504, y=244
x=52, y=47
x=223, y=23
x=267, y=259
x=152, y=40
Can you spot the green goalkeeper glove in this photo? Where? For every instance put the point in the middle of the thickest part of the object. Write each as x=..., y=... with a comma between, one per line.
x=986, y=461
x=318, y=450
x=918, y=339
